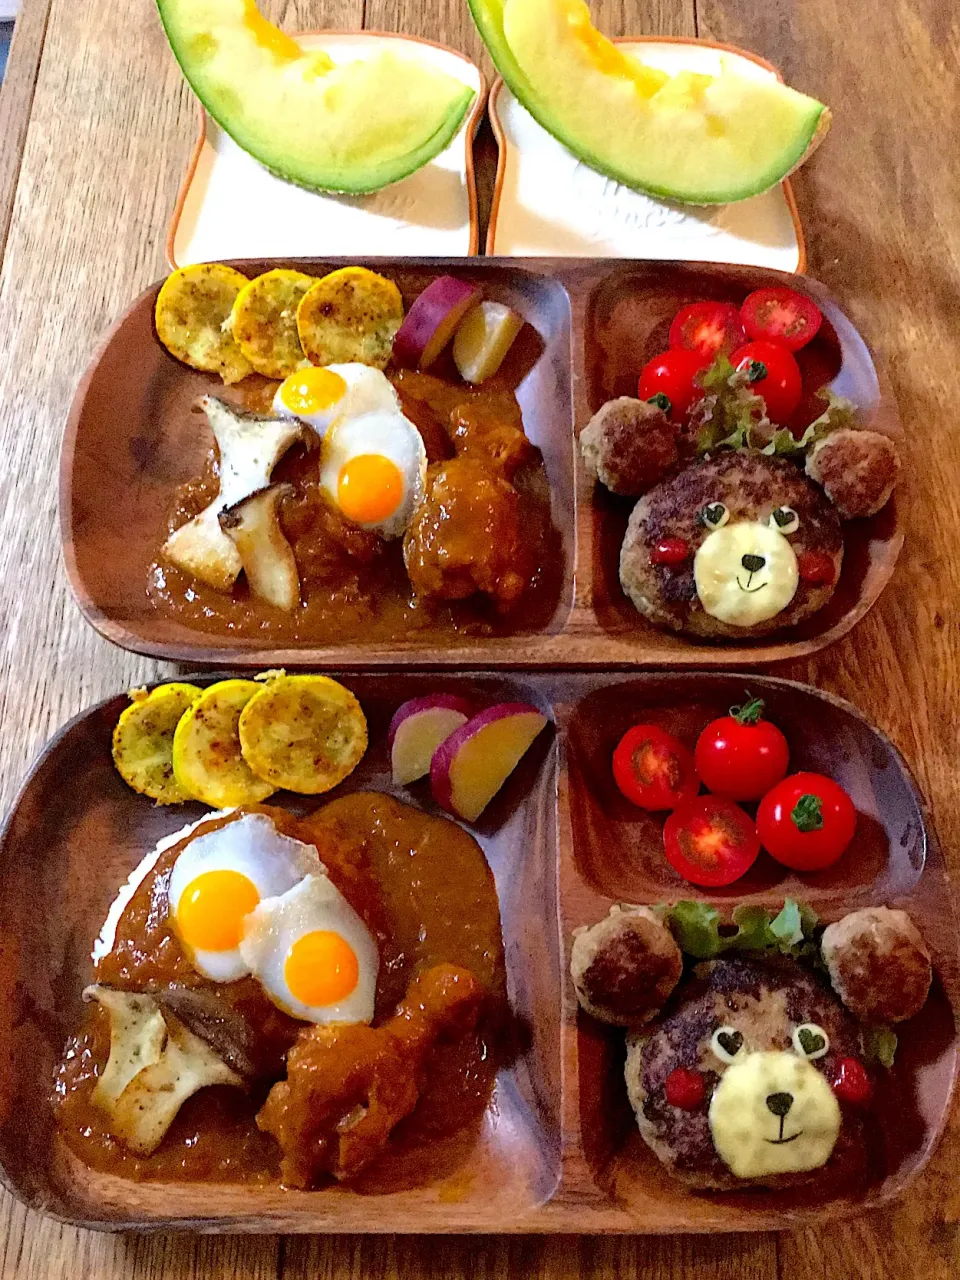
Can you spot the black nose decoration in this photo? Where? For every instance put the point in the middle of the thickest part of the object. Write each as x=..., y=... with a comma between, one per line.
x=779, y=1103
x=752, y=564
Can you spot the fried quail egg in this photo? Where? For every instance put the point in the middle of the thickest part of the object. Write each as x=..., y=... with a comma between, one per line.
x=320, y=396
x=220, y=877
x=312, y=954
x=373, y=470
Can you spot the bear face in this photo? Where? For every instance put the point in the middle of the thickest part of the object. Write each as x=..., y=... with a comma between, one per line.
x=752, y=547
x=765, y=1037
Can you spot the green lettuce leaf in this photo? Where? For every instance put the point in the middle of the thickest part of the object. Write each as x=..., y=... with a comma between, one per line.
x=702, y=933
x=881, y=1045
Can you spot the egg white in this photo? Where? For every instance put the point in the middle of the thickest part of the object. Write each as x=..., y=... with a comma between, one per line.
x=394, y=437
x=272, y=929
x=252, y=846
x=367, y=391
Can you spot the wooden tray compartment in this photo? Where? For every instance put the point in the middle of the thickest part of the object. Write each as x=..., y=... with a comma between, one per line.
x=131, y=441
x=557, y=1149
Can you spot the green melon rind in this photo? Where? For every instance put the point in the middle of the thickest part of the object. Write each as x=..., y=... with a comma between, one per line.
x=488, y=16
x=371, y=179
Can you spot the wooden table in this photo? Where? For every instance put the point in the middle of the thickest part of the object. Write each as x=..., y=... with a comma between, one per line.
x=96, y=125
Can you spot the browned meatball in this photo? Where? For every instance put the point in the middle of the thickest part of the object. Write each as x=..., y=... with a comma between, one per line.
x=629, y=446
x=477, y=433
x=466, y=536
x=878, y=963
x=858, y=470
x=625, y=966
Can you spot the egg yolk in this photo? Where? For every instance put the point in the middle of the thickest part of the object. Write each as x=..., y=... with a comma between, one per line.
x=211, y=910
x=321, y=968
x=312, y=390
x=370, y=488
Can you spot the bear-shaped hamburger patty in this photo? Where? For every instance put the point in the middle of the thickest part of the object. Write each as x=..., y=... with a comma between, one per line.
x=736, y=546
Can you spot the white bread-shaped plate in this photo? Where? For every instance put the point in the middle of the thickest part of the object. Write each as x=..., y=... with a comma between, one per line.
x=230, y=206
x=547, y=202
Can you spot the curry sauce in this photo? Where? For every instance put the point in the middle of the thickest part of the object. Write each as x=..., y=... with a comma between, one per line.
x=422, y=887
x=353, y=584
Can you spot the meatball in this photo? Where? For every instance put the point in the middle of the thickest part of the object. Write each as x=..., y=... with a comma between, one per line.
x=475, y=433
x=878, y=963
x=629, y=446
x=858, y=470
x=749, y=487
x=625, y=967
x=466, y=536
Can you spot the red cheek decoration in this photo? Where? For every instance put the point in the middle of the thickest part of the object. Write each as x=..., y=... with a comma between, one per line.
x=851, y=1083
x=685, y=1088
x=817, y=568
x=670, y=551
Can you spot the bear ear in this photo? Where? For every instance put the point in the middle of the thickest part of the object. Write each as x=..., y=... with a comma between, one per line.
x=857, y=470
x=625, y=967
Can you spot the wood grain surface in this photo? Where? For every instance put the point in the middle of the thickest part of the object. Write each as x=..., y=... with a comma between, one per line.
x=105, y=124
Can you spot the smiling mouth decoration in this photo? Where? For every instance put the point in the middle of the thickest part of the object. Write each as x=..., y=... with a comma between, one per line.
x=748, y=589
x=781, y=1141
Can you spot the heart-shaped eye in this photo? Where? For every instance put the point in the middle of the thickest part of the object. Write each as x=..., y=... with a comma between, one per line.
x=810, y=1041
x=726, y=1043
x=714, y=515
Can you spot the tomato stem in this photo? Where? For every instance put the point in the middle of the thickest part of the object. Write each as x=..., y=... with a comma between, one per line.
x=661, y=401
x=750, y=712
x=808, y=814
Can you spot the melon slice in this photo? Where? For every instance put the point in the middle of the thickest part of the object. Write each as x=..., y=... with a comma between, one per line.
x=688, y=137
x=353, y=126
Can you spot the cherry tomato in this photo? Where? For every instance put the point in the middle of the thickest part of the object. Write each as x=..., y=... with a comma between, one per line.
x=684, y=1088
x=816, y=567
x=818, y=366
x=782, y=314
x=653, y=769
x=673, y=375
x=774, y=374
x=710, y=841
x=806, y=821
x=670, y=551
x=706, y=328
x=741, y=756
x=851, y=1083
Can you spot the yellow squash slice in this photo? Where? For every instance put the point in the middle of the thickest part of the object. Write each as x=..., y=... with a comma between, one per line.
x=193, y=312
x=265, y=322
x=350, y=315
x=143, y=741
x=303, y=733
x=207, y=760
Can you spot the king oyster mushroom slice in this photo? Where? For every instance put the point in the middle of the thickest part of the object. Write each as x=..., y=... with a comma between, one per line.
x=155, y=1064
x=253, y=526
x=250, y=447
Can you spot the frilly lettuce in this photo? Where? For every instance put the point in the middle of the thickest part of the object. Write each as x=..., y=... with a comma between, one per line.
x=701, y=931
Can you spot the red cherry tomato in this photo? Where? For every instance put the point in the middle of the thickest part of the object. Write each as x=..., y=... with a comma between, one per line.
x=782, y=314
x=774, y=374
x=806, y=821
x=710, y=841
x=851, y=1083
x=741, y=756
x=706, y=328
x=673, y=375
x=818, y=366
x=684, y=1088
x=653, y=769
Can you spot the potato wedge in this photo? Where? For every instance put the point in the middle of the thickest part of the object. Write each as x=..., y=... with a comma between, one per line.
x=264, y=321
x=253, y=526
x=303, y=733
x=207, y=760
x=143, y=741
x=192, y=316
x=350, y=315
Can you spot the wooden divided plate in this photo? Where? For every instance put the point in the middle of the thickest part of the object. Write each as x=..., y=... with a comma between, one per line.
x=132, y=440
x=557, y=1149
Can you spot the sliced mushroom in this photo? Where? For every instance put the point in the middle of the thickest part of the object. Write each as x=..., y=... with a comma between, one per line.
x=250, y=447
x=155, y=1064
x=253, y=527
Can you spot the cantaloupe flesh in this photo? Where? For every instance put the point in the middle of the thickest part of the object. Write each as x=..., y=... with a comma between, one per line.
x=353, y=127
x=692, y=138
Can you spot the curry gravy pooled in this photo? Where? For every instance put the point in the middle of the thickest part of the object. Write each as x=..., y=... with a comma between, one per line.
x=423, y=891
